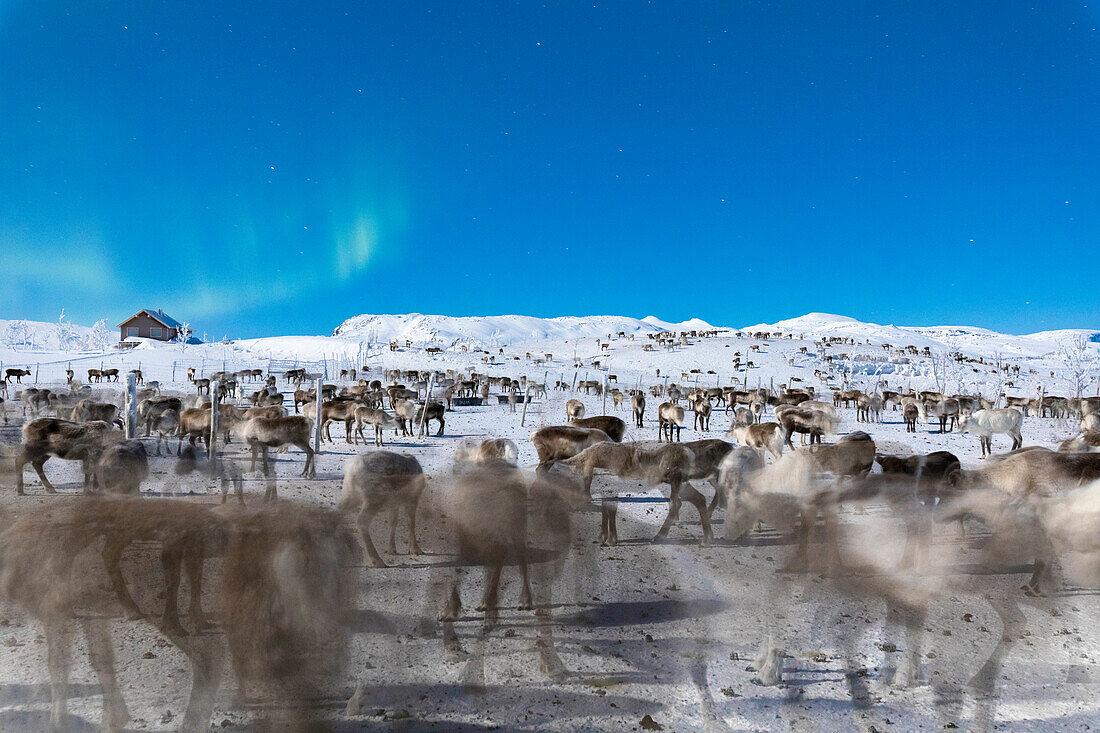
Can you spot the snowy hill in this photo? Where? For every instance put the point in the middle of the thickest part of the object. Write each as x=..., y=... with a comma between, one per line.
x=23, y=335
x=970, y=339
x=494, y=330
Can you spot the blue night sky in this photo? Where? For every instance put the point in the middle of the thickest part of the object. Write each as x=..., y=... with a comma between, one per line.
x=264, y=168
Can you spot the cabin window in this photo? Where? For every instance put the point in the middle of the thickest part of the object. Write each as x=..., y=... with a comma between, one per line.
x=154, y=332
x=131, y=331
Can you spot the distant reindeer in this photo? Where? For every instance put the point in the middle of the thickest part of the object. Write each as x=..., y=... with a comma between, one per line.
x=574, y=410
x=702, y=414
x=637, y=406
x=669, y=416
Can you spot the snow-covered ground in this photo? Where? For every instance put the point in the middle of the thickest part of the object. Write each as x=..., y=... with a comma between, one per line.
x=644, y=629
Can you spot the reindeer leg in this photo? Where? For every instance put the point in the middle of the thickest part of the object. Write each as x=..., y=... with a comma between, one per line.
x=526, y=597
x=170, y=561
x=414, y=547
x=101, y=655
x=393, y=530
x=57, y=661
x=454, y=601
x=691, y=494
x=673, y=511
x=38, y=463
x=373, y=559
x=798, y=561
x=310, y=470
x=489, y=601
x=112, y=556
x=193, y=561
x=205, y=654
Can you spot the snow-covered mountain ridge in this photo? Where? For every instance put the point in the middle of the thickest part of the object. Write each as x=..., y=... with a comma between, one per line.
x=420, y=328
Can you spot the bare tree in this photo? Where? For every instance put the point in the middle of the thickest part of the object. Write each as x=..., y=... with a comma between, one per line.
x=1080, y=364
x=182, y=335
x=100, y=337
x=66, y=333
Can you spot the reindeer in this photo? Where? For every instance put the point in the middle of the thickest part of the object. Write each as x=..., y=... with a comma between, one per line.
x=760, y=437
x=868, y=406
x=947, y=410
x=150, y=409
x=70, y=441
x=671, y=464
x=1087, y=441
x=121, y=468
x=339, y=409
x=472, y=451
x=669, y=416
x=88, y=410
x=197, y=421
x=987, y=423
x=38, y=399
x=702, y=414
x=263, y=433
x=558, y=442
x=574, y=410
x=612, y=426
x=379, y=418
x=377, y=481
x=637, y=406
x=488, y=508
x=278, y=559
x=814, y=423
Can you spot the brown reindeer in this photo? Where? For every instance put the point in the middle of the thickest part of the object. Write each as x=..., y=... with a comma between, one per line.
x=613, y=426
x=197, y=421
x=669, y=416
x=120, y=469
x=574, y=410
x=558, y=442
x=767, y=436
x=637, y=406
x=671, y=464
x=89, y=410
x=19, y=374
x=281, y=590
x=702, y=414
x=488, y=508
x=377, y=417
x=813, y=423
x=51, y=436
x=264, y=433
x=380, y=480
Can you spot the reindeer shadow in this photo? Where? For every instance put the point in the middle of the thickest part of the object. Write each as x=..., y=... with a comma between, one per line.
x=630, y=613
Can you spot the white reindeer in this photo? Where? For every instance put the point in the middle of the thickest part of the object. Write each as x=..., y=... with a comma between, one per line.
x=987, y=423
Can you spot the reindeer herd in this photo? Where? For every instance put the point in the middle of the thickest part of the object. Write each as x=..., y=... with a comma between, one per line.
x=283, y=593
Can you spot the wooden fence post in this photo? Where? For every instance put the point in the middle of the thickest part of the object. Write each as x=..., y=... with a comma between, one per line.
x=605, y=390
x=427, y=400
x=526, y=391
x=317, y=388
x=214, y=387
x=131, y=406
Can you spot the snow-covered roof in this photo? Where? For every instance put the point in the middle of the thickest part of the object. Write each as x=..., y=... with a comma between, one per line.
x=156, y=315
